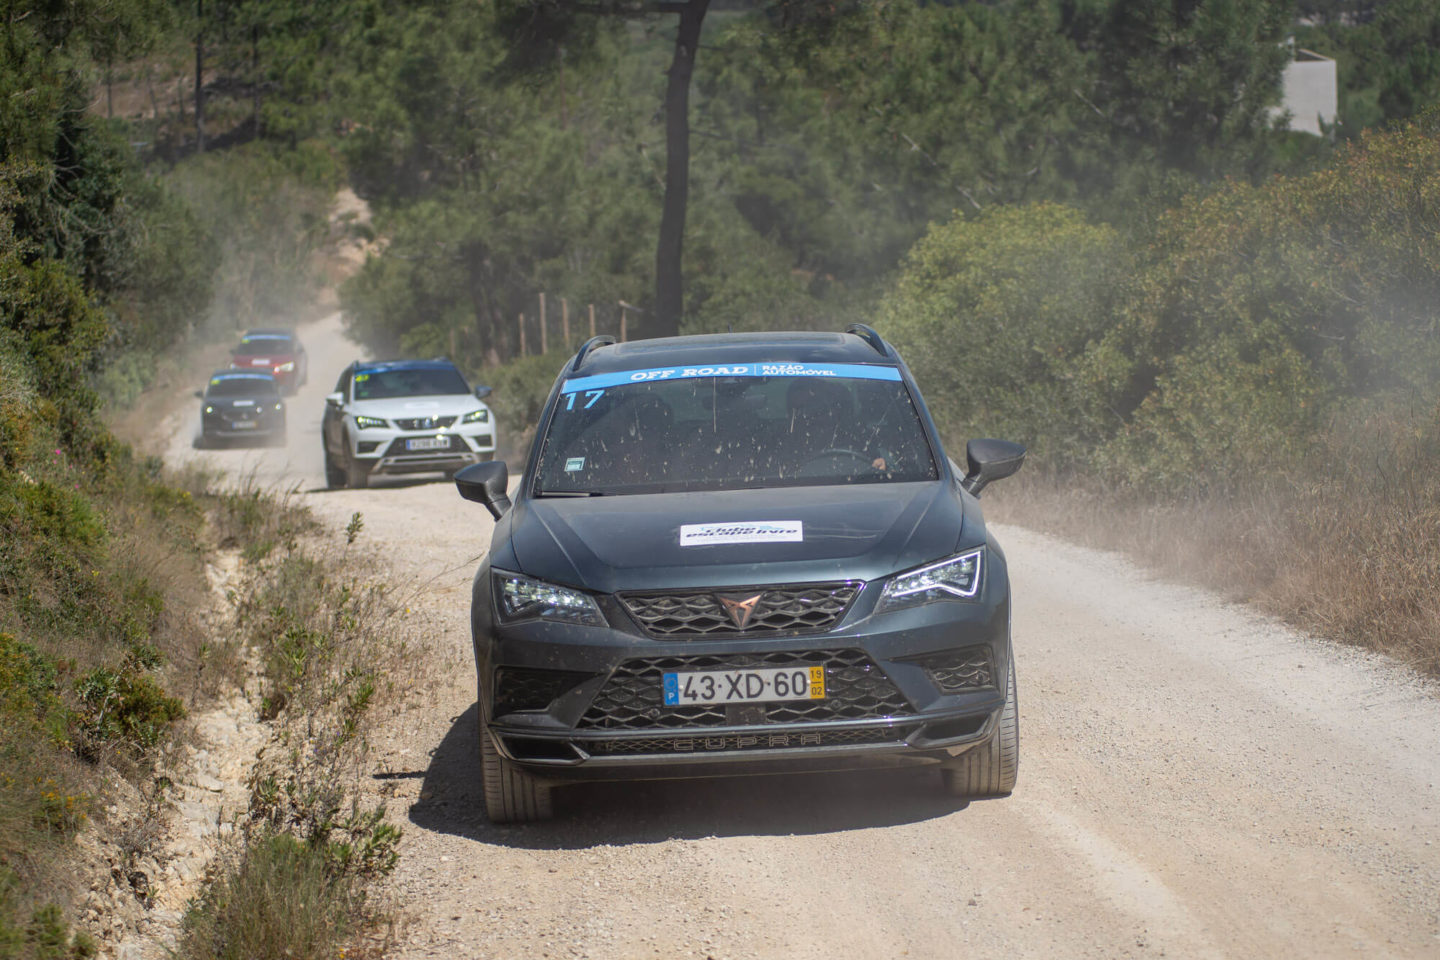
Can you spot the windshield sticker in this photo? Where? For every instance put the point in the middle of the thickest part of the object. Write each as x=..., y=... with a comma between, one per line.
x=590, y=397
x=574, y=463
x=746, y=531
x=361, y=377
x=858, y=371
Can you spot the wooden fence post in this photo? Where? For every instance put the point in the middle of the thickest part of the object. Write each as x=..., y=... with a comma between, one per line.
x=592, y=319
x=522, y=334
x=544, y=334
x=565, y=321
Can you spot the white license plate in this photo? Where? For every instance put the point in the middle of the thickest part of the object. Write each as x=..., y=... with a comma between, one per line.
x=243, y=424
x=428, y=443
x=769, y=685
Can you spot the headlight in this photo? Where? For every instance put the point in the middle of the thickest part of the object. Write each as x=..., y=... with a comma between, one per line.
x=285, y=367
x=209, y=409
x=365, y=423
x=476, y=416
x=955, y=579
x=523, y=598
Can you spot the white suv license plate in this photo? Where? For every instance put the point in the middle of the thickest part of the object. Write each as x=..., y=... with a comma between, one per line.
x=428, y=443
x=770, y=685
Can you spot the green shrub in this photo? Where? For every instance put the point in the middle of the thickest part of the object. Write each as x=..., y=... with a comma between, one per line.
x=994, y=316
x=30, y=692
x=1212, y=346
x=521, y=387
x=39, y=933
x=122, y=707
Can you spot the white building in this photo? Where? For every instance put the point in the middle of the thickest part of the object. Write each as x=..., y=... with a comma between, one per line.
x=1310, y=92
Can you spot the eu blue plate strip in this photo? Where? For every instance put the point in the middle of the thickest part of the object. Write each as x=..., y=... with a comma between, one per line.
x=858, y=371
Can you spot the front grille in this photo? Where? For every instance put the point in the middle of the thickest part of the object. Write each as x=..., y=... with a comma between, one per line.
x=954, y=671
x=855, y=688
x=808, y=607
x=397, y=448
x=748, y=741
x=521, y=688
x=237, y=414
x=425, y=423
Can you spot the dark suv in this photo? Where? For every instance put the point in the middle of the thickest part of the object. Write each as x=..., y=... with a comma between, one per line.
x=740, y=554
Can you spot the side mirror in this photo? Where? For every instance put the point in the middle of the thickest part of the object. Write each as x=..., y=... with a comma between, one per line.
x=482, y=392
x=486, y=483
x=990, y=460
x=336, y=400
x=200, y=394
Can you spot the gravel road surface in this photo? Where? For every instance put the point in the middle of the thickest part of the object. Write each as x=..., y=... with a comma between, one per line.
x=1195, y=781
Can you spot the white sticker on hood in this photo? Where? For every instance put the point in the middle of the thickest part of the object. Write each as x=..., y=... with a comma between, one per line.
x=745, y=531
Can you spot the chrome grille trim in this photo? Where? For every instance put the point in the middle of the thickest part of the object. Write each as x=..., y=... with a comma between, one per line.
x=424, y=423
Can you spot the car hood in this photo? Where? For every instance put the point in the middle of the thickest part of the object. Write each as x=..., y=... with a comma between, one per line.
x=438, y=406
x=856, y=532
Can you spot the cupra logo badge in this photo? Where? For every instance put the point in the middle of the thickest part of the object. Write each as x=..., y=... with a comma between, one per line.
x=740, y=610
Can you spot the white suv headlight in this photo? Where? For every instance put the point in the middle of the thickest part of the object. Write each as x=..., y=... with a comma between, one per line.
x=957, y=578
x=476, y=416
x=525, y=598
x=365, y=423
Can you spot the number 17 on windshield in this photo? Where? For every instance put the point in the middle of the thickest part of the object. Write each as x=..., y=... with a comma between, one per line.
x=590, y=397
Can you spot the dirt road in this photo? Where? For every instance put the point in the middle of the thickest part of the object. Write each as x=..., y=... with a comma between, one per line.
x=1196, y=781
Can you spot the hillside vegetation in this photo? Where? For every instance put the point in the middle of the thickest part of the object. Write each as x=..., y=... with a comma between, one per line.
x=1264, y=357
x=106, y=264
x=1078, y=219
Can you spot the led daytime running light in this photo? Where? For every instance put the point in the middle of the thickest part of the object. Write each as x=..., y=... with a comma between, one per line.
x=524, y=598
x=957, y=578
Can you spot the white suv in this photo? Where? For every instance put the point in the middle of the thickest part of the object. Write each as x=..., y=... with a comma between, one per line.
x=404, y=416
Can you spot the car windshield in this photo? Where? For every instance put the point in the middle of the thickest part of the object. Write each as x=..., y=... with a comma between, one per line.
x=732, y=432
x=264, y=345
x=409, y=382
x=241, y=387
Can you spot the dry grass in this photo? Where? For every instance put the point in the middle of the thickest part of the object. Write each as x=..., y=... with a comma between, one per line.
x=1348, y=548
x=325, y=631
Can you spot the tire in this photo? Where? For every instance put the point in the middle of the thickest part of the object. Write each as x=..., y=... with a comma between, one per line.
x=989, y=769
x=511, y=795
x=357, y=474
x=334, y=476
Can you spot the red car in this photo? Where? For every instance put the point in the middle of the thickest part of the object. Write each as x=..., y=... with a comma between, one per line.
x=276, y=352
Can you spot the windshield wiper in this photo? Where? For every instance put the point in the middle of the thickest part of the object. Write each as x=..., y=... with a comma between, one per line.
x=571, y=493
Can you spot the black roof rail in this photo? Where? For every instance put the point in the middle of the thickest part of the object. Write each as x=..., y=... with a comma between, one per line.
x=869, y=335
x=602, y=340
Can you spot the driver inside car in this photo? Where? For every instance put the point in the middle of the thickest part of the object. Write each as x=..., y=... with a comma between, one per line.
x=821, y=420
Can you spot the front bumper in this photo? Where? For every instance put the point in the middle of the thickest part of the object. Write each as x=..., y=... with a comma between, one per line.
x=917, y=686
x=387, y=450
x=216, y=427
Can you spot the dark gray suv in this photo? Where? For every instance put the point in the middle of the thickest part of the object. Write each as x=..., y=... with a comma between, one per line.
x=740, y=554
